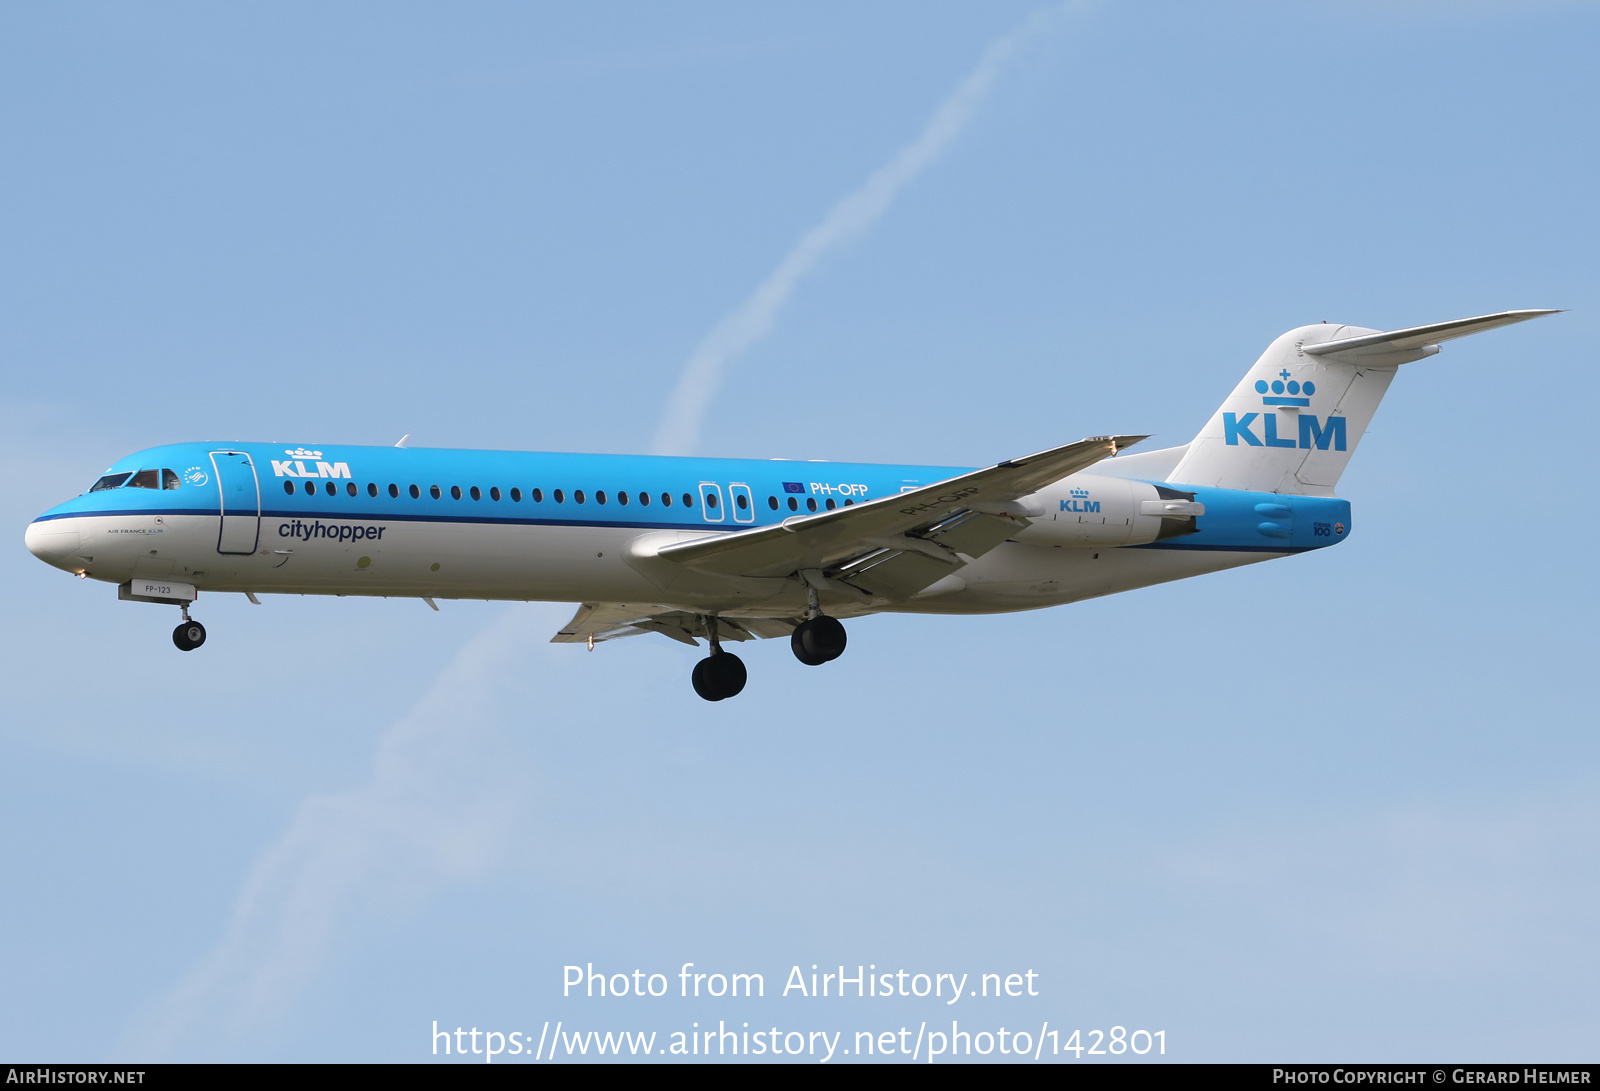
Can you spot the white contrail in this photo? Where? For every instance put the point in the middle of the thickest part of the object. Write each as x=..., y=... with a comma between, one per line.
x=752, y=320
x=443, y=795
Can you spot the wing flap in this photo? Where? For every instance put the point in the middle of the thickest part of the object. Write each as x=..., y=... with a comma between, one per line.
x=894, y=575
x=976, y=533
x=602, y=621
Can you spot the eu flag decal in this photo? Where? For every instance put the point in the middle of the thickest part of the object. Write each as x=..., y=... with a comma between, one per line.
x=793, y=486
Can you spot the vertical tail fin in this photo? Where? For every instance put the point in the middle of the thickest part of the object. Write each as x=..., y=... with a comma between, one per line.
x=1294, y=420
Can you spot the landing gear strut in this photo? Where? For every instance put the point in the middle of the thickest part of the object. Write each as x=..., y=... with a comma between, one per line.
x=819, y=639
x=721, y=674
x=190, y=635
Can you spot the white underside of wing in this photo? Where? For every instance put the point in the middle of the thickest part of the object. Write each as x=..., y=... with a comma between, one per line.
x=600, y=621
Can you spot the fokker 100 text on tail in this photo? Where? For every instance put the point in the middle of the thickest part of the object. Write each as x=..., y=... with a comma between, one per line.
x=727, y=549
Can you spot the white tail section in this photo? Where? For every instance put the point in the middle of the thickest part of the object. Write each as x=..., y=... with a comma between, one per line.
x=1294, y=420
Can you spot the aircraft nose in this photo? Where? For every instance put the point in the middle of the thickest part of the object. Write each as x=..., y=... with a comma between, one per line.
x=53, y=543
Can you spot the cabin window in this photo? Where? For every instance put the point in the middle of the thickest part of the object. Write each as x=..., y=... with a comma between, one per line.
x=711, y=500
x=394, y=491
x=350, y=488
x=644, y=499
x=146, y=479
x=831, y=504
x=600, y=497
x=288, y=487
x=811, y=503
x=560, y=497
x=372, y=488
x=772, y=502
x=455, y=492
x=666, y=500
x=741, y=500
x=622, y=498
x=538, y=496
x=494, y=492
x=416, y=493
x=109, y=481
x=169, y=479
x=577, y=496
x=688, y=500
x=476, y=493
x=311, y=488
x=331, y=488
x=794, y=505
x=847, y=503
x=433, y=491
x=516, y=496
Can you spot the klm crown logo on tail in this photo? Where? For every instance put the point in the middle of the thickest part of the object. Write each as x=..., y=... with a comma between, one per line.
x=1286, y=392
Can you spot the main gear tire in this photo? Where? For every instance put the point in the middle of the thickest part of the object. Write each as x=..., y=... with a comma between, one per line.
x=720, y=676
x=818, y=640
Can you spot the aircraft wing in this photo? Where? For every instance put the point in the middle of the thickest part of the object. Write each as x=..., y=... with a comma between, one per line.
x=600, y=621
x=895, y=546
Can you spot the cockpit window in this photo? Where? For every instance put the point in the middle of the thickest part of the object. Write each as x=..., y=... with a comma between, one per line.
x=109, y=481
x=146, y=479
x=169, y=479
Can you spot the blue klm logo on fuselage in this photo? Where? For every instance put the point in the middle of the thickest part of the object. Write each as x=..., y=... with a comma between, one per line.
x=1314, y=433
x=1080, y=502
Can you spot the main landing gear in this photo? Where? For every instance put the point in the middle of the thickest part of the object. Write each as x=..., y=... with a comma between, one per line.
x=819, y=638
x=721, y=674
x=190, y=635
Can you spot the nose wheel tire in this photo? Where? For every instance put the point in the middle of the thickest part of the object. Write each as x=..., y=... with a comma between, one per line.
x=719, y=676
x=818, y=640
x=189, y=636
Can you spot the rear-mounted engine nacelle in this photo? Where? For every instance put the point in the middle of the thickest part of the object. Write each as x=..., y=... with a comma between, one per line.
x=1088, y=510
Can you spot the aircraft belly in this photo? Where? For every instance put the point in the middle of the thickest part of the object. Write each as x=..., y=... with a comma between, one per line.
x=1018, y=576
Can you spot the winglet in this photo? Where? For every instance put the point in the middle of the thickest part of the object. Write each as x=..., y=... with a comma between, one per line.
x=403, y=440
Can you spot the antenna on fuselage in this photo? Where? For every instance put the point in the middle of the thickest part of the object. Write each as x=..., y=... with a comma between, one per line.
x=401, y=442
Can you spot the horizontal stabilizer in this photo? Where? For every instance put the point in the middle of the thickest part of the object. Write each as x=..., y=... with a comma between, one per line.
x=1414, y=342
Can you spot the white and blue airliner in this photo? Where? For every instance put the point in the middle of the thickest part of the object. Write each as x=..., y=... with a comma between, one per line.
x=729, y=549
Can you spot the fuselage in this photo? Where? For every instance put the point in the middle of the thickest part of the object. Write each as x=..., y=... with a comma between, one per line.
x=426, y=522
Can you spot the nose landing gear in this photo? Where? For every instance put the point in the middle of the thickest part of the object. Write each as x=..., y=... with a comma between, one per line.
x=190, y=635
x=721, y=674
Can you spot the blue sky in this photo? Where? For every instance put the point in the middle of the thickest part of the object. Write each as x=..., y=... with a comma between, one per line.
x=1337, y=806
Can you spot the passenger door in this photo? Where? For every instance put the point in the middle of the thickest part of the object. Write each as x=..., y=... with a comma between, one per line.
x=240, y=502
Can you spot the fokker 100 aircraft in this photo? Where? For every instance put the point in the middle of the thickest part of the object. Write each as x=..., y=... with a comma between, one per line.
x=730, y=549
